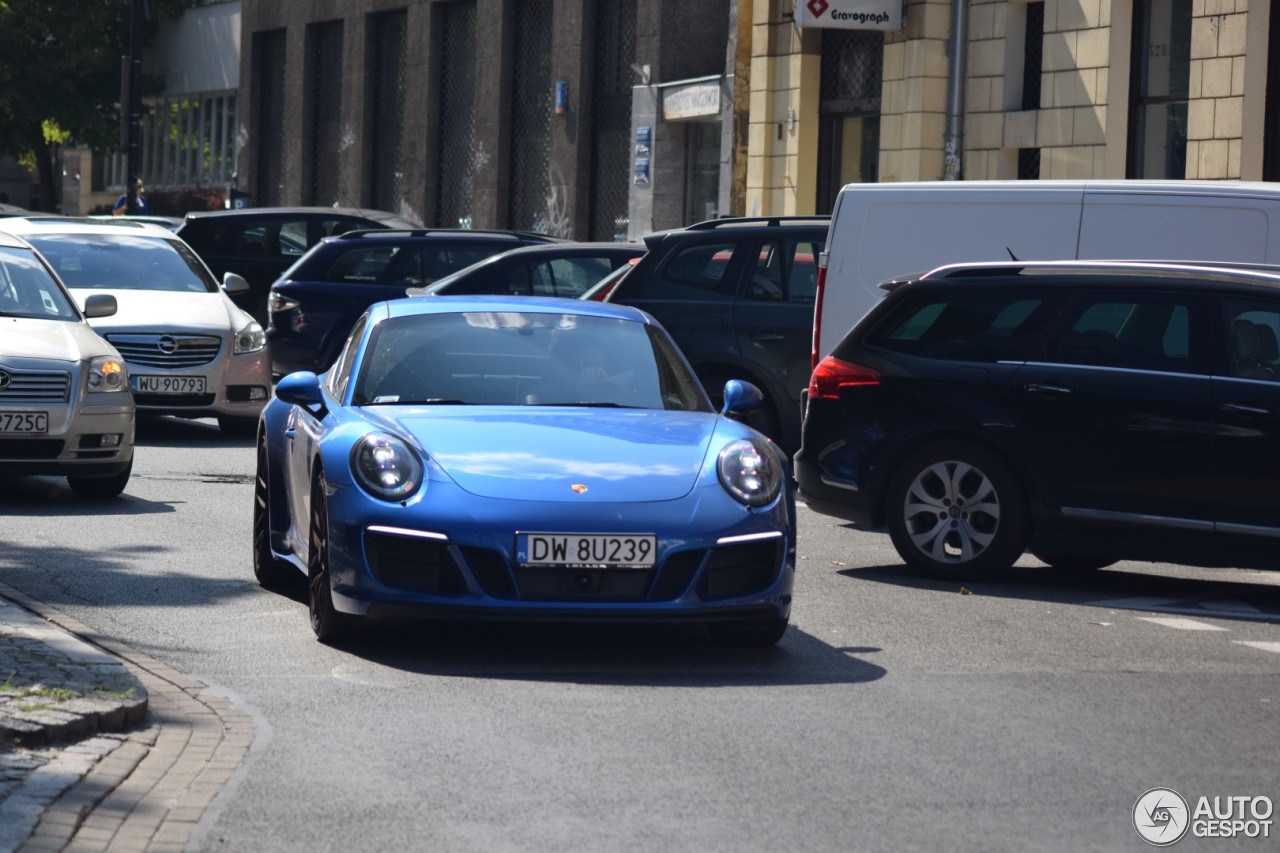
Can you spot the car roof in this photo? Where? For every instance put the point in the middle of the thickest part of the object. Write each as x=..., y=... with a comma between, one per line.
x=367, y=213
x=435, y=234
x=10, y=241
x=1226, y=273
x=88, y=227
x=741, y=224
x=568, y=249
x=410, y=306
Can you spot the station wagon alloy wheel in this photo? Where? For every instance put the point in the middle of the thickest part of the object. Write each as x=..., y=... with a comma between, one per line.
x=957, y=511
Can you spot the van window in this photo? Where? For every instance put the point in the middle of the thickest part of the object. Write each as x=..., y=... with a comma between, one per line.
x=961, y=326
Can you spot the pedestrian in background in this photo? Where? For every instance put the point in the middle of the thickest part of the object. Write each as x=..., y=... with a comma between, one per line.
x=121, y=206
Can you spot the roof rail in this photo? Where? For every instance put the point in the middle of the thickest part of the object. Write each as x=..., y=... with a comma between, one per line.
x=771, y=221
x=424, y=232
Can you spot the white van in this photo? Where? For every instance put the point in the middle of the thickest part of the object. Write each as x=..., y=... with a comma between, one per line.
x=882, y=231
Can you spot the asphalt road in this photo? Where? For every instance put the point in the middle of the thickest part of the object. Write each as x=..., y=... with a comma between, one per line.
x=897, y=713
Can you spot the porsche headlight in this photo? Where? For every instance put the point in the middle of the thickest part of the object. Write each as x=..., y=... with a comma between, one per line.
x=106, y=373
x=386, y=467
x=250, y=339
x=750, y=472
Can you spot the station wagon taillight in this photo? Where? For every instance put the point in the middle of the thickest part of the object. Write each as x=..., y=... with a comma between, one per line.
x=832, y=374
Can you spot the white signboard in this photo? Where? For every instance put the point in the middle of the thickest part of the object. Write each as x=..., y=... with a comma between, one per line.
x=850, y=14
x=691, y=101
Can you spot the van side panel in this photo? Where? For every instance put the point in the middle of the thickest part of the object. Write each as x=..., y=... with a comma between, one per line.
x=881, y=231
x=1178, y=228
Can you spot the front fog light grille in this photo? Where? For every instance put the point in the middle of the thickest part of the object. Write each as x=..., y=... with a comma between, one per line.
x=246, y=393
x=737, y=570
x=418, y=565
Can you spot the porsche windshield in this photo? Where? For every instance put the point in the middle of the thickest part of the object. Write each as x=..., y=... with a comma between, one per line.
x=514, y=358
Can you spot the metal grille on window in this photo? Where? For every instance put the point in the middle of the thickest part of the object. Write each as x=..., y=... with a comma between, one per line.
x=615, y=44
x=325, y=64
x=1028, y=164
x=532, y=206
x=1032, y=56
x=270, y=84
x=852, y=69
x=387, y=170
x=457, y=114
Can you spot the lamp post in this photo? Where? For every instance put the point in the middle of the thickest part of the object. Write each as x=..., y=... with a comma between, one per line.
x=133, y=107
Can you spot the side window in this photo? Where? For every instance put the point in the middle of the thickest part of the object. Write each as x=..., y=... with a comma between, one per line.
x=572, y=276
x=963, y=326
x=1252, y=331
x=541, y=282
x=786, y=270
x=366, y=263
x=340, y=374
x=1136, y=331
x=293, y=238
x=334, y=227
x=701, y=267
x=273, y=238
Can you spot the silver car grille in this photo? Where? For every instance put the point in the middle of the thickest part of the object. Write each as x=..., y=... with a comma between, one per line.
x=34, y=386
x=168, y=351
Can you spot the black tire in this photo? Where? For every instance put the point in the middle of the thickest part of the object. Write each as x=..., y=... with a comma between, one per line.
x=330, y=626
x=100, y=488
x=238, y=427
x=936, y=534
x=758, y=633
x=1074, y=562
x=271, y=572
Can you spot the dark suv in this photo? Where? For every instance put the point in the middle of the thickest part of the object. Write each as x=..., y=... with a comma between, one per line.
x=738, y=296
x=1087, y=412
x=314, y=304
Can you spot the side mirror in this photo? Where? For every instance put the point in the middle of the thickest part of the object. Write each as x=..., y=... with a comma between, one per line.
x=100, y=305
x=301, y=389
x=740, y=396
x=234, y=283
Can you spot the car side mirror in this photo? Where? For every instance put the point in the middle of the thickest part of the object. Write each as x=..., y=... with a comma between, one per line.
x=100, y=305
x=301, y=389
x=234, y=283
x=740, y=396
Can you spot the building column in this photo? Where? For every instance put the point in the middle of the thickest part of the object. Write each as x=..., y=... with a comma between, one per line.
x=1215, y=107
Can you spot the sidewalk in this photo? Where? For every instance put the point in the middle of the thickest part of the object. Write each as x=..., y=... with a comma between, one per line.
x=101, y=747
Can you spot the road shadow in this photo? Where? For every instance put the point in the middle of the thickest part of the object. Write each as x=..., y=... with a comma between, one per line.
x=1241, y=594
x=607, y=654
x=41, y=496
x=167, y=431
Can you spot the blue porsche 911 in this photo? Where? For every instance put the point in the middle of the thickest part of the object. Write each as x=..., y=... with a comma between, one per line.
x=515, y=458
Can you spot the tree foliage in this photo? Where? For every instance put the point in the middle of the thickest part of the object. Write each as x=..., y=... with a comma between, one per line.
x=60, y=71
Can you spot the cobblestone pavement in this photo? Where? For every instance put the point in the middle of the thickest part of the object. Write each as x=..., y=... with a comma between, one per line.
x=101, y=747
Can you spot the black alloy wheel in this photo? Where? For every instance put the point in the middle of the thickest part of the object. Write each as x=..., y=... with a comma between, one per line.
x=271, y=572
x=955, y=510
x=329, y=625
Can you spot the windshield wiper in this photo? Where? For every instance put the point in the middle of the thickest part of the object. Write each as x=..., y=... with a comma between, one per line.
x=430, y=401
x=596, y=404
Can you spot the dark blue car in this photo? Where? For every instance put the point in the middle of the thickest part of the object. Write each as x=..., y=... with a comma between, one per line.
x=313, y=305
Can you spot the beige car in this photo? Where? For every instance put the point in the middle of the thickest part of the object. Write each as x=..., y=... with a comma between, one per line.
x=190, y=351
x=65, y=407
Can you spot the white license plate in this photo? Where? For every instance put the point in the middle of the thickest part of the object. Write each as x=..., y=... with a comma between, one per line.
x=587, y=550
x=24, y=423
x=169, y=384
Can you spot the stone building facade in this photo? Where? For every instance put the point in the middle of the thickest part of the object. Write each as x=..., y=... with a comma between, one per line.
x=1065, y=89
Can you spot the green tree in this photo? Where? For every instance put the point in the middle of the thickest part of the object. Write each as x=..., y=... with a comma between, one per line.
x=60, y=75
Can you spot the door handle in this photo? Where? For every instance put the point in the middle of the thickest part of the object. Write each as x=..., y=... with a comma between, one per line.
x=1047, y=390
x=1244, y=409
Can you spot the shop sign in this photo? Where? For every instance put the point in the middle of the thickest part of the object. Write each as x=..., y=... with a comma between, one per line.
x=850, y=14
x=692, y=100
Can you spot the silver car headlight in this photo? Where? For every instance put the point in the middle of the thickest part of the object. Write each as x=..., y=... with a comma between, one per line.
x=750, y=472
x=386, y=467
x=106, y=374
x=250, y=339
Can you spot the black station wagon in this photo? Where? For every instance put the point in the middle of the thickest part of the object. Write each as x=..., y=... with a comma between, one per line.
x=1087, y=412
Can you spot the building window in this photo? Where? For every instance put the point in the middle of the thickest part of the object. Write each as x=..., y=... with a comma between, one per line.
x=1162, y=72
x=1028, y=164
x=269, y=91
x=615, y=54
x=324, y=98
x=457, y=123
x=531, y=96
x=386, y=171
x=849, y=111
x=1032, y=55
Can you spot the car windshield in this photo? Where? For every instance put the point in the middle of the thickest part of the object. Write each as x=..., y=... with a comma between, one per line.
x=27, y=289
x=514, y=358
x=124, y=262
